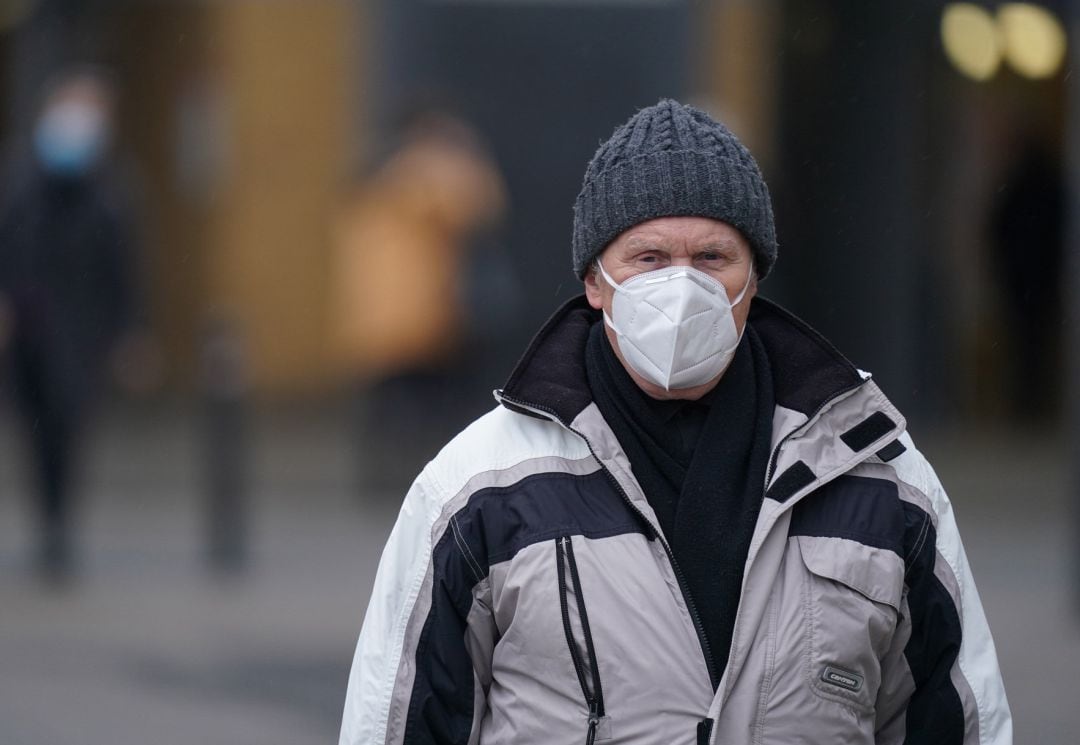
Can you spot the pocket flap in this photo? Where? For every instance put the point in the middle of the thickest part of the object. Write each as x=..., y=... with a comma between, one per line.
x=877, y=573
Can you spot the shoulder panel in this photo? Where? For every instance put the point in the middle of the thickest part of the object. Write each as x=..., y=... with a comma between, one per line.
x=499, y=440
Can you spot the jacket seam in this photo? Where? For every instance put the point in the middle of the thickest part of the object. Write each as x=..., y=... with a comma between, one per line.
x=463, y=547
x=466, y=488
x=770, y=670
x=401, y=628
x=958, y=601
x=924, y=531
x=863, y=539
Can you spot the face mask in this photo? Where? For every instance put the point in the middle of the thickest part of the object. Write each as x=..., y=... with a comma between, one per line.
x=70, y=138
x=674, y=325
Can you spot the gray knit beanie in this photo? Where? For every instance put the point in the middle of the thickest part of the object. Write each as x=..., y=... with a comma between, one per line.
x=672, y=160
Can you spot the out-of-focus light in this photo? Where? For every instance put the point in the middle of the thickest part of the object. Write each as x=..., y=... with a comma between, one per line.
x=971, y=40
x=1033, y=38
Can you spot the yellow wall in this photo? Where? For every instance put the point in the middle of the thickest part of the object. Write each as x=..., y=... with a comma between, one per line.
x=250, y=240
x=741, y=68
x=285, y=70
x=158, y=47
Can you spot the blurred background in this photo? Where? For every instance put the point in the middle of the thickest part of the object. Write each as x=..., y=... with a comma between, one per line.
x=259, y=259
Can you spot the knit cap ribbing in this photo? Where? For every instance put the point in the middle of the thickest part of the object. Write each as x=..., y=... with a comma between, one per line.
x=672, y=160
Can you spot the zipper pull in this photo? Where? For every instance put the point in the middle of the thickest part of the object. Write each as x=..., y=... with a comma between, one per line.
x=594, y=721
x=704, y=731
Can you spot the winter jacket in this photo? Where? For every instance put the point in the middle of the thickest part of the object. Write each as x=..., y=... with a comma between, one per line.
x=527, y=594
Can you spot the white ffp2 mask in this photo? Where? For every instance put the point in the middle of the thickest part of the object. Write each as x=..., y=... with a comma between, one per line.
x=674, y=325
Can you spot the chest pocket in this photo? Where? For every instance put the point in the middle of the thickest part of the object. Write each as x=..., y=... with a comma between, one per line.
x=851, y=599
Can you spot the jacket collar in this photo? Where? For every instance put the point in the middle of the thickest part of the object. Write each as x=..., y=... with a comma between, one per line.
x=549, y=380
x=550, y=377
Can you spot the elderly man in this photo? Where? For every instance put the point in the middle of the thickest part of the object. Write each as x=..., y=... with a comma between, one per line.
x=689, y=520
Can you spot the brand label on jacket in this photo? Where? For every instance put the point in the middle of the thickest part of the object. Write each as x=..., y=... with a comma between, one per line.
x=841, y=678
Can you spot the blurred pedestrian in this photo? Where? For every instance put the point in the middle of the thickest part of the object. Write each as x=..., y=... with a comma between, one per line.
x=689, y=520
x=1027, y=230
x=400, y=321
x=67, y=288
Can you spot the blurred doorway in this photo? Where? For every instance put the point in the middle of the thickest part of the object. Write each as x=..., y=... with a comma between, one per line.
x=921, y=211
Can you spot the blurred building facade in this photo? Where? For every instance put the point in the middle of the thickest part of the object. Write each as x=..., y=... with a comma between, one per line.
x=249, y=118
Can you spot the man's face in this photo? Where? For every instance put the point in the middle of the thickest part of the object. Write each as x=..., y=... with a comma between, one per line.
x=705, y=244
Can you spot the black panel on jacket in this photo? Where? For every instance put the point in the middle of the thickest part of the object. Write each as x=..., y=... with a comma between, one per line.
x=858, y=508
x=869, y=430
x=441, y=704
x=492, y=527
x=935, y=712
x=500, y=521
x=893, y=450
x=794, y=478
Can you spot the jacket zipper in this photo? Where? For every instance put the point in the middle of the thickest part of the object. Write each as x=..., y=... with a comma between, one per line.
x=594, y=698
x=699, y=627
x=706, y=651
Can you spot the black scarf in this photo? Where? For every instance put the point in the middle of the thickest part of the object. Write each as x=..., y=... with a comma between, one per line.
x=702, y=467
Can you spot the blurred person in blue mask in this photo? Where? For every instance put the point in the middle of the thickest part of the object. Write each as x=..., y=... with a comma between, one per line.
x=67, y=287
x=689, y=520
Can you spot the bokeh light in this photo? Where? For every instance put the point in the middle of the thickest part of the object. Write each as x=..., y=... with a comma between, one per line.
x=1033, y=39
x=971, y=40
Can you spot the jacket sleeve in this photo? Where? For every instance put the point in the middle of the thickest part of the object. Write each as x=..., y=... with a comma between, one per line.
x=940, y=680
x=422, y=664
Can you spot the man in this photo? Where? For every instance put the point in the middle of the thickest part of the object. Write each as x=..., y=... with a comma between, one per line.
x=690, y=520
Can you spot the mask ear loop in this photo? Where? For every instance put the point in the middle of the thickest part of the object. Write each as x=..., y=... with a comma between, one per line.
x=607, y=277
x=742, y=294
x=610, y=281
x=739, y=299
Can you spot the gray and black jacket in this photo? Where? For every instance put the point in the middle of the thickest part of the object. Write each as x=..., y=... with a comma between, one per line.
x=527, y=594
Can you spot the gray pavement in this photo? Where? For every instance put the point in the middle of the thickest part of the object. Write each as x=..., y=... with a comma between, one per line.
x=149, y=647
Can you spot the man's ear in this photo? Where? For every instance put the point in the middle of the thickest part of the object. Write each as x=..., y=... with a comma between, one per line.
x=592, y=288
